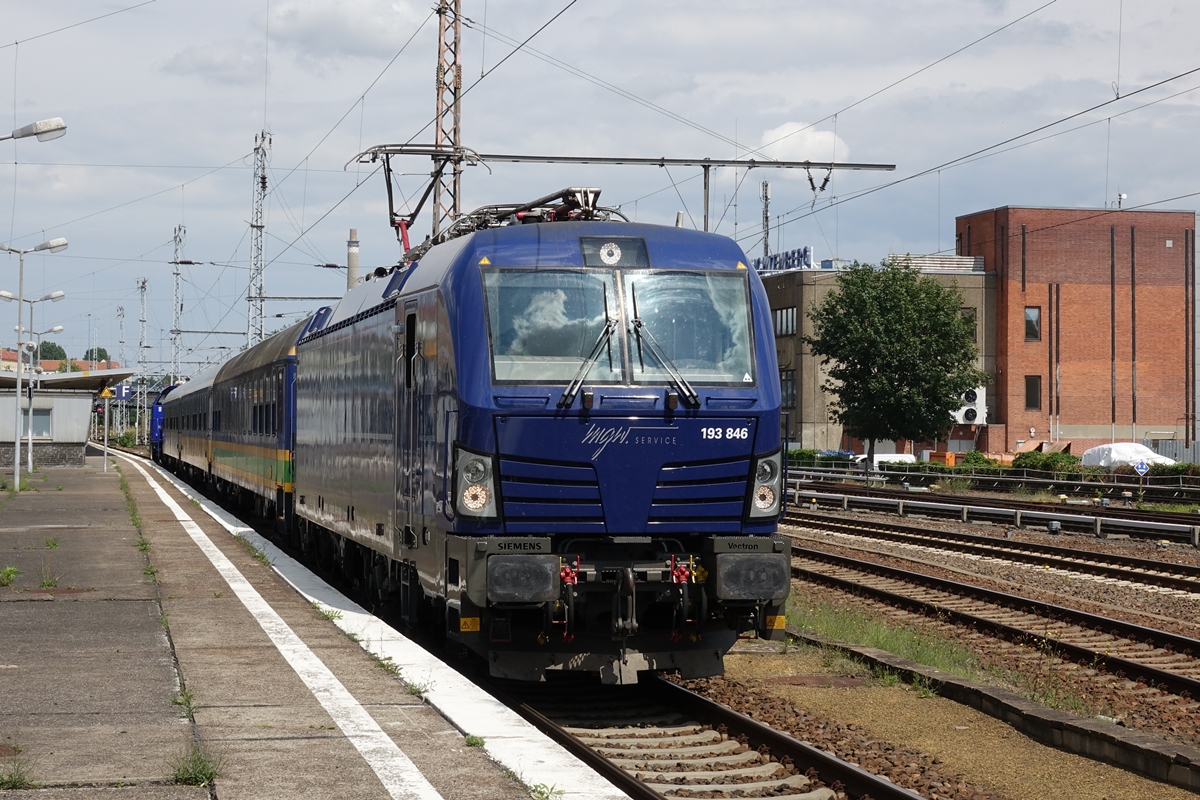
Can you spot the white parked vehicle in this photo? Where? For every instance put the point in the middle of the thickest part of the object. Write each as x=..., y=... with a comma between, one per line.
x=1121, y=453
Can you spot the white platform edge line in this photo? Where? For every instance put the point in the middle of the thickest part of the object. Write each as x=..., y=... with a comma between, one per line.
x=509, y=739
x=400, y=777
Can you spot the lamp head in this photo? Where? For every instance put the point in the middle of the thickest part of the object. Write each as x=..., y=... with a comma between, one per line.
x=56, y=329
x=7, y=297
x=54, y=245
x=45, y=130
x=54, y=297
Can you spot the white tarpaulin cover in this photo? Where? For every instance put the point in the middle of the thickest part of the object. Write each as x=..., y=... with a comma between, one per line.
x=1121, y=453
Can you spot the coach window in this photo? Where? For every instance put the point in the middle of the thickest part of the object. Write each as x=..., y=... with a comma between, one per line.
x=1033, y=323
x=410, y=348
x=1033, y=392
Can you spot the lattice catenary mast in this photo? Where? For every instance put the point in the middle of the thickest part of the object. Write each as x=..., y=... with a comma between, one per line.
x=142, y=417
x=122, y=417
x=255, y=293
x=176, y=302
x=447, y=129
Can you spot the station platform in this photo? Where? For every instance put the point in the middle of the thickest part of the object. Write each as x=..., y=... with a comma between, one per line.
x=134, y=628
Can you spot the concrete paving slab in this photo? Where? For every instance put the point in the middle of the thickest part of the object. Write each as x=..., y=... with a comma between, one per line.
x=87, y=681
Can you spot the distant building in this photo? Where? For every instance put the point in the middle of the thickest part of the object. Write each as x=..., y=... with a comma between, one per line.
x=1095, y=324
x=793, y=292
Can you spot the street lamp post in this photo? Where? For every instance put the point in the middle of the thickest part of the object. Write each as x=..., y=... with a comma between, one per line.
x=36, y=371
x=54, y=246
x=44, y=130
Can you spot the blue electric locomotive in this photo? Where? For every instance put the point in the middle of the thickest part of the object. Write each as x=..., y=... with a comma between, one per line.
x=556, y=440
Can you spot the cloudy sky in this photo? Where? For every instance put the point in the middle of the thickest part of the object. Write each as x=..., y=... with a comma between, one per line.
x=164, y=100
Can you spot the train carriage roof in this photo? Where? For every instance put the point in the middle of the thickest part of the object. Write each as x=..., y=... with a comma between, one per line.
x=202, y=380
x=268, y=351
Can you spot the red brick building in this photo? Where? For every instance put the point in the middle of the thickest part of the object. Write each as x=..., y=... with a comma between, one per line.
x=1095, y=322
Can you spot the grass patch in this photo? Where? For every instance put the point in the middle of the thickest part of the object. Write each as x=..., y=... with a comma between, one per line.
x=143, y=544
x=59, y=487
x=47, y=579
x=52, y=543
x=474, y=741
x=8, y=575
x=195, y=767
x=1176, y=508
x=150, y=569
x=855, y=626
x=956, y=484
x=14, y=771
x=419, y=688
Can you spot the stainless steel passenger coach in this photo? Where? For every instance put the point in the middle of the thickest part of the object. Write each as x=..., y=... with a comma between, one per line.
x=555, y=439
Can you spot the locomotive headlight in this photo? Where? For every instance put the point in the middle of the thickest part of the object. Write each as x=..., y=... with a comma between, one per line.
x=475, y=471
x=474, y=484
x=766, y=491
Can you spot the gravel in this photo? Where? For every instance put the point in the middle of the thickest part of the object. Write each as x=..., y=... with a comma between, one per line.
x=931, y=745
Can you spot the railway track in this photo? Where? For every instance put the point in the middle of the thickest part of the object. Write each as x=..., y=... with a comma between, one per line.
x=1184, y=578
x=658, y=739
x=1101, y=520
x=1162, y=661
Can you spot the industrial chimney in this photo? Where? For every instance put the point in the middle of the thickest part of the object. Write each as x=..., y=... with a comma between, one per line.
x=352, y=260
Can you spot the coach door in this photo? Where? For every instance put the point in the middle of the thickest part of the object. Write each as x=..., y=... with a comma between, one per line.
x=407, y=441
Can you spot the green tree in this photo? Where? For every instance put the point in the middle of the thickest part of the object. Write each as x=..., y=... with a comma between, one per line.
x=52, y=351
x=95, y=354
x=898, y=352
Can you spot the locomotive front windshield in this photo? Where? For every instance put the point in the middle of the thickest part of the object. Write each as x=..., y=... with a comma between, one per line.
x=545, y=324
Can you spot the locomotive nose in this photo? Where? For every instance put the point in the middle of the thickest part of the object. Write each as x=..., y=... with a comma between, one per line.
x=623, y=475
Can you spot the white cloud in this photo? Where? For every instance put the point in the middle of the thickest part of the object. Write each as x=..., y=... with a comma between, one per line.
x=229, y=63
x=796, y=141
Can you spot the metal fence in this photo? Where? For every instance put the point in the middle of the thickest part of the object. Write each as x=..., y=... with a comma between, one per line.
x=1174, y=448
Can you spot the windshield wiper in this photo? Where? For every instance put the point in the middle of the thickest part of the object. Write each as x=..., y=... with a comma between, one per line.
x=685, y=389
x=605, y=337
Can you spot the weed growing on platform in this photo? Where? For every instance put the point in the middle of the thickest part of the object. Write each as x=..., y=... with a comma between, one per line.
x=8, y=575
x=149, y=570
x=474, y=741
x=130, y=503
x=540, y=791
x=52, y=543
x=856, y=626
x=259, y=554
x=46, y=577
x=14, y=771
x=329, y=614
x=386, y=664
x=186, y=701
x=59, y=487
x=195, y=767
x=419, y=688
x=143, y=544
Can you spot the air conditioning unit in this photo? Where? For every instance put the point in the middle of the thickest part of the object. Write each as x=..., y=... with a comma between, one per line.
x=974, y=409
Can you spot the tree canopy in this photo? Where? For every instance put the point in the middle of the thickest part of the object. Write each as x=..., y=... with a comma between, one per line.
x=898, y=352
x=52, y=351
x=95, y=354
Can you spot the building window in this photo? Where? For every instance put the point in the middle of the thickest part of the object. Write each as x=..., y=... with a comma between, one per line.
x=1033, y=323
x=1033, y=392
x=970, y=315
x=787, y=387
x=41, y=423
x=785, y=321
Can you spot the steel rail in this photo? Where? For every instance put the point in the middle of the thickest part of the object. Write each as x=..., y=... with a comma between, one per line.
x=1138, y=570
x=965, y=512
x=1173, y=682
x=1114, y=512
